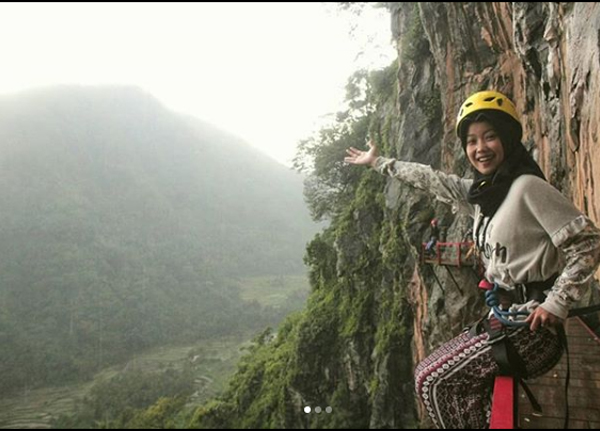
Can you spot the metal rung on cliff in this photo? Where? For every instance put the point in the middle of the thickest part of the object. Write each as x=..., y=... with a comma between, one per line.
x=449, y=253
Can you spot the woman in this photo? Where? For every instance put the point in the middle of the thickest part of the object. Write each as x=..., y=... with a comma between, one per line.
x=527, y=234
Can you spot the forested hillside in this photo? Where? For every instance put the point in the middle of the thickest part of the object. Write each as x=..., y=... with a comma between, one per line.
x=124, y=226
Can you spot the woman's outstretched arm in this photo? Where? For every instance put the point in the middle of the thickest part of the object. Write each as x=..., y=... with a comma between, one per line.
x=449, y=189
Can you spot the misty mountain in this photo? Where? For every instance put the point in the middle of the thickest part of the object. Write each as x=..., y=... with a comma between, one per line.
x=114, y=157
x=120, y=222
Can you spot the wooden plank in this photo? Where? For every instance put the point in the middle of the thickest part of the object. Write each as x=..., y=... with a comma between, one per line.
x=575, y=383
x=575, y=413
x=584, y=389
x=532, y=422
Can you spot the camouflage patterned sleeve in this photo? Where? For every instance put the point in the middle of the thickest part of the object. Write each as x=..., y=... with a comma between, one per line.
x=449, y=189
x=581, y=248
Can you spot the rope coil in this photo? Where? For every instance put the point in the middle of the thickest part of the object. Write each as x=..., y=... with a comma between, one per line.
x=493, y=301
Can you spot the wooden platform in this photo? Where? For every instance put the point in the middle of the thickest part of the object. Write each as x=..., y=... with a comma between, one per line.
x=584, y=390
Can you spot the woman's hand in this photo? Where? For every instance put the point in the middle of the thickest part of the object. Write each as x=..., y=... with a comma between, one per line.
x=540, y=317
x=358, y=157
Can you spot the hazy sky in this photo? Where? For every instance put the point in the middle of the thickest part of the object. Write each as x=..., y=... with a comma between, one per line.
x=265, y=72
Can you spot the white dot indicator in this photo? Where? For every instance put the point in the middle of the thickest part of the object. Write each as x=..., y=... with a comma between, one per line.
x=317, y=409
x=307, y=409
x=328, y=409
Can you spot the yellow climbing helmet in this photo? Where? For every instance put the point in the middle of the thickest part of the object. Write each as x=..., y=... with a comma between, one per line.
x=484, y=100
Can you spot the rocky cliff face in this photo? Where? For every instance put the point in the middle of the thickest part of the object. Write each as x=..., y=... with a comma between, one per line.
x=546, y=57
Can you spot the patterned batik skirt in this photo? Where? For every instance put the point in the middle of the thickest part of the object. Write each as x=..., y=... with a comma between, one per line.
x=455, y=382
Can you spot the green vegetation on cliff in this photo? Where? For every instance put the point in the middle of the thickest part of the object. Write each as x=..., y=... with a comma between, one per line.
x=349, y=345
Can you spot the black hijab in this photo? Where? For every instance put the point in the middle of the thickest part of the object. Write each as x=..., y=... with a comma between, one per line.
x=489, y=191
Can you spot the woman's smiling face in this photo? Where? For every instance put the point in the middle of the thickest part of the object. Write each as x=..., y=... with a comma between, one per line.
x=484, y=148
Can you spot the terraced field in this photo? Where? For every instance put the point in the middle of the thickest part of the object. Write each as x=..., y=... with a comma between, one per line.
x=214, y=361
